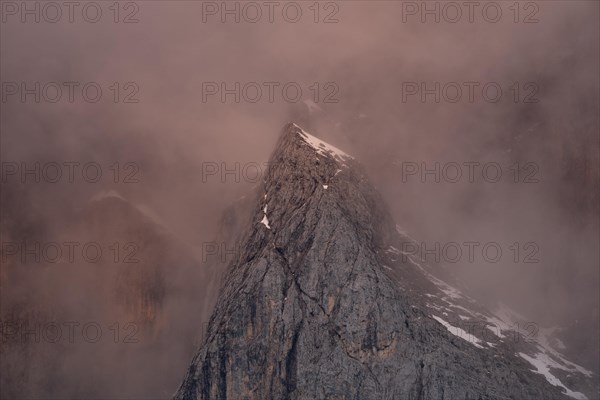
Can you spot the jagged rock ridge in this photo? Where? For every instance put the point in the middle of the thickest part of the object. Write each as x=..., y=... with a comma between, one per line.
x=318, y=305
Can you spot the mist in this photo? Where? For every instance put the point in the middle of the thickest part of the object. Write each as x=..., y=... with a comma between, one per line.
x=362, y=65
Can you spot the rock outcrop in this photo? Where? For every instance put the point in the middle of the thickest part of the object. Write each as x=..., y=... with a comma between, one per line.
x=323, y=301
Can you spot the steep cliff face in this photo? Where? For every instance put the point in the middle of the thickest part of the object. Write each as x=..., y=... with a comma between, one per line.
x=129, y=294
x=323, y=302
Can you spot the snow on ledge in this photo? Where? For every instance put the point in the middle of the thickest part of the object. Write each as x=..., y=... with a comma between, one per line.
x=460, y=332
x=323, y=148
x=265, y=220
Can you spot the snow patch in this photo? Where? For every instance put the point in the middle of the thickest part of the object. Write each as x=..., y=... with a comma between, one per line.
x=499, y=325
x=404, y=233
x=546, y=343
x=265, y=222
x=460, y=333
x=323, y=148
x=394, y=250
x=501, y=322
x=543, y=363
x=448, y=290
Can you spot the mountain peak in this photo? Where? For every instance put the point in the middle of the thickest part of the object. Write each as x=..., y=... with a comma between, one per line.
x=322, y=301
x=321, y=147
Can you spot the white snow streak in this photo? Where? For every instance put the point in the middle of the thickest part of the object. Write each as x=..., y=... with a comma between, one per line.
x=265, y=221
x=322, y=147
x=542, y=363
x=460, y=332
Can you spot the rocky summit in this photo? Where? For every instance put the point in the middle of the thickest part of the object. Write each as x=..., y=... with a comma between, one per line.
x=323, y=302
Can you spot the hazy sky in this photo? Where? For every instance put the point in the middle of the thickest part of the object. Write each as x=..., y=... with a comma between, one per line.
x=366, y=65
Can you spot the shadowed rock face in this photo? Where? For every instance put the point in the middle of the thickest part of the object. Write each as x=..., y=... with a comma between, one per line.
x=129, y=294
x=314, y=307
